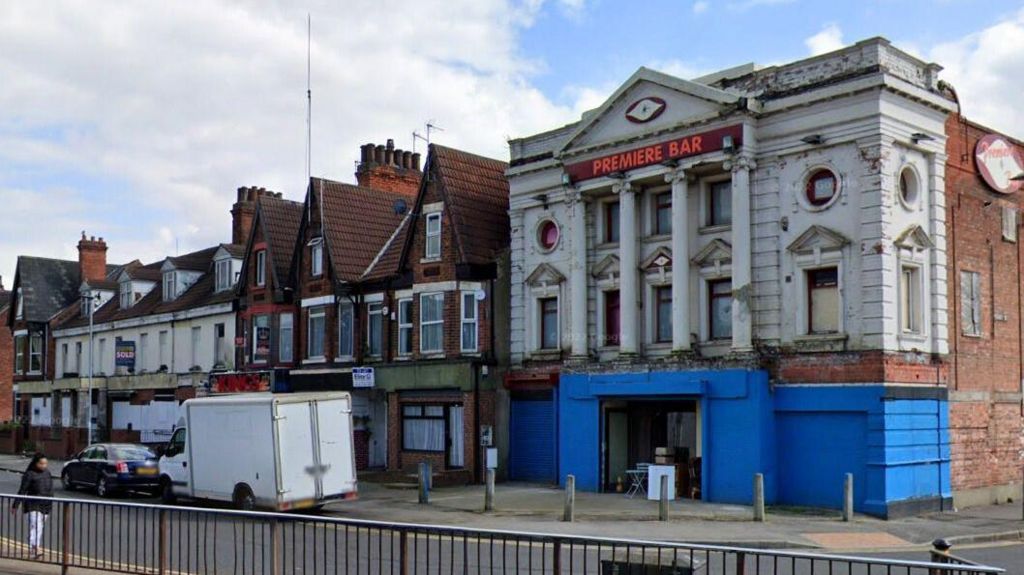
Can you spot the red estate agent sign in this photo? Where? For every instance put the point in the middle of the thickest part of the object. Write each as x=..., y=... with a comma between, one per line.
x=675, y=149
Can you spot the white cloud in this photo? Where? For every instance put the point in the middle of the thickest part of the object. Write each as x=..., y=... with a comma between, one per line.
x=830, y=38
x=987, y=71
x=701, y=6
x=181, y=103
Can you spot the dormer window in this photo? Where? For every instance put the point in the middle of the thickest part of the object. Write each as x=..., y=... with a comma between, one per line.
x=169, y=282
x=225, y=279
x=126, y=295
x=316, y=257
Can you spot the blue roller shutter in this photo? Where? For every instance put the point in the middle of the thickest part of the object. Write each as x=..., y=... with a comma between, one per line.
x=533, y=437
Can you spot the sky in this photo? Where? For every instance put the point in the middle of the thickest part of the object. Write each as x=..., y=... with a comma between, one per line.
x=138, y=121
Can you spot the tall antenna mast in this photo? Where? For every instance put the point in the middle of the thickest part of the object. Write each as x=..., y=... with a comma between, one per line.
x=431, y=126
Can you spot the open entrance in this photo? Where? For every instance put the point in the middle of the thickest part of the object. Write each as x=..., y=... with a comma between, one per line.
x=655, y=431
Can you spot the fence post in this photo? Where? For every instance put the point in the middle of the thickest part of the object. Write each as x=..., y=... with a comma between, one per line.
x=663, y=499
x=939, y=554
x=556, y=559
x=275, y=548
x=65, y=538
x=569, y=513
x=741, y=562
x=759, y=497
x=163, y=548
x=489, y=491
x=403, y=553
x=424, y=482
x=848, y=498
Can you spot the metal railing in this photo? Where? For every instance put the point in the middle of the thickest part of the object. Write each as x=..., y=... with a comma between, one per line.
x=149, y=539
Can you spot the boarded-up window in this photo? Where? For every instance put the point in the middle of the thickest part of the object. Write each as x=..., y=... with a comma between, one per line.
x=823, y=300
x=970, y=303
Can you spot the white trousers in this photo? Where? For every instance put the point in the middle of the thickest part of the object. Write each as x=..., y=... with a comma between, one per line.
x=36, y=522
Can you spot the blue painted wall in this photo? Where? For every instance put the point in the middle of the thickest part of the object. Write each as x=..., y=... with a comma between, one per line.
x=803, y=438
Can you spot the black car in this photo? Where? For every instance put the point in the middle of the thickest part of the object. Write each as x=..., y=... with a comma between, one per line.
x=111, y=467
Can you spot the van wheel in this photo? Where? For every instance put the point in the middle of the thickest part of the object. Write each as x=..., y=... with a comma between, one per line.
x=167, y=492
x=244, y=499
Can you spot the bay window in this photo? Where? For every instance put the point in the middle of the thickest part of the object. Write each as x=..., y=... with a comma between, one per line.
x=260, y=338
x=374, y=328
x=35, y=353
x=285, y=338
x=346, y=327
x=423, y=428
x=469, y=322
x=404, y=326
x=432, y=323
x=315, y=333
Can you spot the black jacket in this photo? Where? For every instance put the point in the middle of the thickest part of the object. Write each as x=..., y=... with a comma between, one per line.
x=38, y=484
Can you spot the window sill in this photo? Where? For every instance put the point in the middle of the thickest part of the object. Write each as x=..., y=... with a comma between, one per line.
x=813, y=337
x=344, y=359
x=404, y=357
x=546, y=354
x=913, y=336
x=607, y=246
x=318, y=359
x=436, y=260
x=658, y=237
x=466, y=353
x=715, y=229
x=973, y=335
x=432, y=355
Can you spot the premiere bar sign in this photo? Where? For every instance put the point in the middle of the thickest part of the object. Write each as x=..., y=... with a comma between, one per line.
x=674, y=149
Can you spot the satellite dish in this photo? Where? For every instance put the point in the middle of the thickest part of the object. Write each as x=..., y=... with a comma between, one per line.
x=480, y=294
x=401, y=207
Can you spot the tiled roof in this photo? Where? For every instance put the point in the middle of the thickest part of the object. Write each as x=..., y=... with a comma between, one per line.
x=150, y=272
x=5, y=298
x=196, y=261
x=280, y=220
x=389, y=259
x=234, y=250
x=48, y=285
x=358, y=223
x=476, y=193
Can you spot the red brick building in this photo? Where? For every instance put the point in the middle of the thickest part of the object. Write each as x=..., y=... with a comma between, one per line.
x=6, y=358
x=986, y=360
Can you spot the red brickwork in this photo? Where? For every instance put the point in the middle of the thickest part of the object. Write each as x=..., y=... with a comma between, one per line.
x=362, y=443
x=92, y=259
x=6, y=367
x=861, y=367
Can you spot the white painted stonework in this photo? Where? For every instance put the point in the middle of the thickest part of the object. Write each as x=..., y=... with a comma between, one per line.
x=866, y=113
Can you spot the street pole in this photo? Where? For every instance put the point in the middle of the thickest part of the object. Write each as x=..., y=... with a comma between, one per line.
x=88, y=440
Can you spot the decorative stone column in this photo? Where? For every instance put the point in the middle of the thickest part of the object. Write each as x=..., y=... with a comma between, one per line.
x=628, y=276
x=680, y=262
x=742, y=319
x=578, y=272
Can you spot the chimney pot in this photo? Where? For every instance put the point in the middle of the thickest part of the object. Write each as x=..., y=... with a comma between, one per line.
x=407, y=159
x=389, y=154
x=378, y=154
x=391, y=143
x=416, y=161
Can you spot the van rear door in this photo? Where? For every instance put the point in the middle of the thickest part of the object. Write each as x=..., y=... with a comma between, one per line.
x=334, y=439
x=298, y=464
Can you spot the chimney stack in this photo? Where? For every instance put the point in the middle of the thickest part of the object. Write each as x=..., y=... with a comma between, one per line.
x=92, y=259
x=244, y=211
x=387, y=168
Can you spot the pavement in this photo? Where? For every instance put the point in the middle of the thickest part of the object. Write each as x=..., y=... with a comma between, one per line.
x=533, y=508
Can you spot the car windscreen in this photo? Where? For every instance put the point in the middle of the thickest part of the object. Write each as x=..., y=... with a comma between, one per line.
x=132, y=453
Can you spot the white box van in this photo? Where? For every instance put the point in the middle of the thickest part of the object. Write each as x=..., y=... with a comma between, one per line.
x=273, y=451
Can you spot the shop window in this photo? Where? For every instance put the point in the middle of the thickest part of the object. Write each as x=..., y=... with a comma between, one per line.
x=548, y=322
x=910, y=299
x=970, y=303
x=1010, y=224
x=823, y=300
x=260, y=338
x=720, y=203
x=261, y=268
x=663, y=314
x=611, y=222
x=432, y=323
x=423, y=428
x=346, y=330
x=404, y=326
x=720, y=309
x=316, y=257
x=612, y=322
x=286, y=338
x=432, y=249
x=822, y=186
x=315, y=333
x=469, y=322
x=663, y=214
x=374, y=329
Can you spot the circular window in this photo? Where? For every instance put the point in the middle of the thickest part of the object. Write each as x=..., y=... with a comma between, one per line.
x=822, y=187
x=547, y=235
x=909, y=187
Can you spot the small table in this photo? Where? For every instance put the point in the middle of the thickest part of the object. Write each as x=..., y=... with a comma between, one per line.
x=637, y=481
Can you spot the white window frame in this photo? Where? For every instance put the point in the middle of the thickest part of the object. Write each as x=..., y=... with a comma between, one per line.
x=538, y=332
x=1010, y=224
x=35, y=352
x=162, y=342
x=405, y=326
x=320, y=312
x=806, y=299
x=316, y=257
x=466, y=320
x=224, y=276
x=374, y=309
x=195, y=344
x=20, y=354
x=972, y=298
x=346, y=307
x=125, y=292
x=169, y=285
x=261, y=268
x=425, y=323
x=432, y=245
x=102, y=345
x=140, y=353
x=707, y=186
x=286, y=333
x=252, y=344
x=911, y=300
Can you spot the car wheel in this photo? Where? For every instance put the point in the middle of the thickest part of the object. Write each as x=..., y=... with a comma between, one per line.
x=103, y=487
x=65, y=481
x=244, y=498
x=167, y=492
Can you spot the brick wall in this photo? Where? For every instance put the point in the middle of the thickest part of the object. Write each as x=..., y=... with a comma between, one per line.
x=985, y=372
x=861, y=367
x=6, y=368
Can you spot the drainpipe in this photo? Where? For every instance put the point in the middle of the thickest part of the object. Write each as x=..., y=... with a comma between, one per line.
x=476, y=421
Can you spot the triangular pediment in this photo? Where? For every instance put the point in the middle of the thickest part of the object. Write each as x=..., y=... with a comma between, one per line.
x=660, y=258
x=606, y=267
x=914, y=238
x=718, y=251
x=818, y=238
x=545, y=274
x=649, y=101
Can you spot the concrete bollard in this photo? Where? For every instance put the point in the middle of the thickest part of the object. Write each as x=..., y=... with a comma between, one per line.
x=663, y=499
x=848, y=498
x=489, y=491
x=424, y=483
x=759, y=497
x=569, y=513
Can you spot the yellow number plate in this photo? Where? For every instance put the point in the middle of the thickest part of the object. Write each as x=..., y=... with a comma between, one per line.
x=145, y=471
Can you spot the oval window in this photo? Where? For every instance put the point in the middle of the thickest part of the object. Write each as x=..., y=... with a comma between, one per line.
x=908, y=187
x=821, y=187
x=547, y=235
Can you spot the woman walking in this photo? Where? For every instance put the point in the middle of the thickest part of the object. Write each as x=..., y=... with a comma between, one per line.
x=36, y=482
